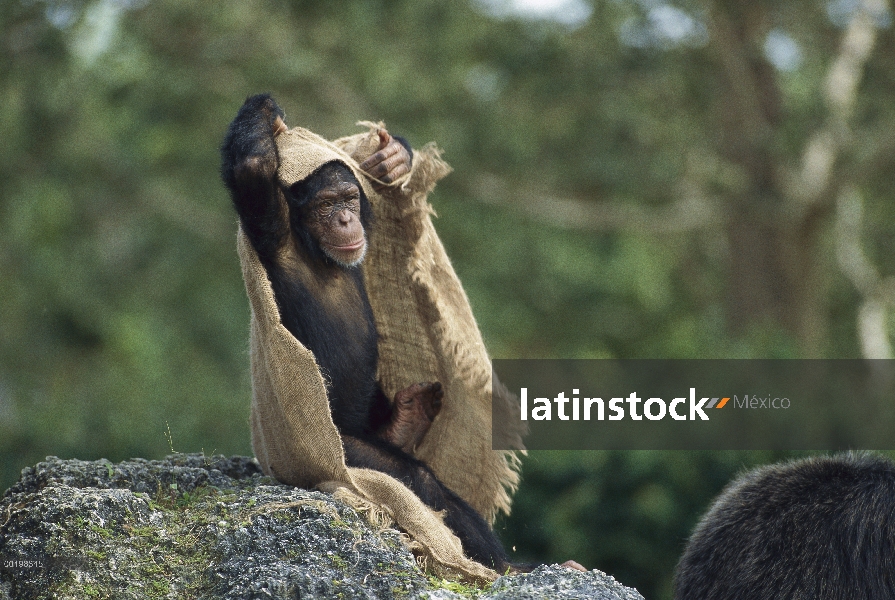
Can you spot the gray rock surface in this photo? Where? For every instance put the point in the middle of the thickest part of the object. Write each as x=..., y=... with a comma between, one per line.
x=193, y=526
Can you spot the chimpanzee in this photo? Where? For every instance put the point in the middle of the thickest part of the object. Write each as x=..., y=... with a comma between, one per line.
x=821, y=527
x=325, y=221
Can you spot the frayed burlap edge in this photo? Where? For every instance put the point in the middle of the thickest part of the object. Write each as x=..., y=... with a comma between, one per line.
x=427, y=331
x=380, y=518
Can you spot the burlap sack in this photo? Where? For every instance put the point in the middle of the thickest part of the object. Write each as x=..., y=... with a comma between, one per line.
x=426, y=333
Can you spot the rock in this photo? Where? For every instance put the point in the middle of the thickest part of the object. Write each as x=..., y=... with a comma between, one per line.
x=193, y=526
x=560, y=583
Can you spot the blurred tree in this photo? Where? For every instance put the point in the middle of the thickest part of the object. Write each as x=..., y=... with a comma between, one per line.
x=747, y=121
x=647, y=179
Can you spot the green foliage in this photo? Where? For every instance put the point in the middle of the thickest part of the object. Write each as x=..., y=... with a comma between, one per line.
x=123, y=320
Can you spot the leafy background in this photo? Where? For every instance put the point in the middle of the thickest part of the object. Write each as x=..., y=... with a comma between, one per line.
x=633, y=178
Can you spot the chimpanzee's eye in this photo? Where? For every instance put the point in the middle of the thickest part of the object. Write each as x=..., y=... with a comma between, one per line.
x=324, y=208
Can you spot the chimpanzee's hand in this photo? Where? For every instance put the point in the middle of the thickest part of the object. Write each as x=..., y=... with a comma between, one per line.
x=413, y=411
x=390, y=161
x=249, y=152
x=249, y=164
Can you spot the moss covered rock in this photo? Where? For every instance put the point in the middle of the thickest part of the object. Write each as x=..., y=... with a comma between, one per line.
x=193, y=526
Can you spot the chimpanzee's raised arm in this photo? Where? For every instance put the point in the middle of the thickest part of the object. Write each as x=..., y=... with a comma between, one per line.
x=249, y=163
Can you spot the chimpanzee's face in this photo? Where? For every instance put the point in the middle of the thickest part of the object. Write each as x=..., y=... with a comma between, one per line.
x=333, y=220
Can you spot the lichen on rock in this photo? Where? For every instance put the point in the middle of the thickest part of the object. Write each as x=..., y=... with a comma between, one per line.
x=193, y=526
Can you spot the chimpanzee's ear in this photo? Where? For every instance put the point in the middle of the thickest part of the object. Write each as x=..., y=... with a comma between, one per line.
x=298, y=193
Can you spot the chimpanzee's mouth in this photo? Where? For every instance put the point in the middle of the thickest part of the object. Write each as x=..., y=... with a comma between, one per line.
x=351, y=247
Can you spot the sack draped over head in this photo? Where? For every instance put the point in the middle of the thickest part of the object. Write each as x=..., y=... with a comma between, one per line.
x=426, y=333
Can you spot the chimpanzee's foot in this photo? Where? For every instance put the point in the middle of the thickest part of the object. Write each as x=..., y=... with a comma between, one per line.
x=412, y=413
x=516, y=568
x=571, y=564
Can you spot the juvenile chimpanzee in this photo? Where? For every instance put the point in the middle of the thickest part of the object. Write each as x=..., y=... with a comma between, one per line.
x=816, y=528
x=311, y=238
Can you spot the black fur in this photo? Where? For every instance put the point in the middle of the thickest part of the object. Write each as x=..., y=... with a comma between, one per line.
x=343, y=339
x=818, y=528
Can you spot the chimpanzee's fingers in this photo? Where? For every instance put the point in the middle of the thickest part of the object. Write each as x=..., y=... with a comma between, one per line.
x=381, y=151
x=396, y=173
x=392, y=168
x=279, y=126
x=379, y=156
x=384, y=138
